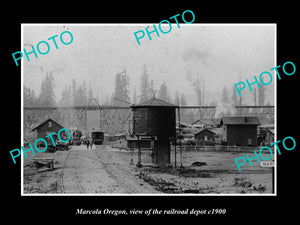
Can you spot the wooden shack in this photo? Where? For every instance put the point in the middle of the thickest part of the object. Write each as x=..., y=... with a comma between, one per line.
x=269, y=138
x=47, y=127
x=207, y=123
x=240, y=130
x=205, y=137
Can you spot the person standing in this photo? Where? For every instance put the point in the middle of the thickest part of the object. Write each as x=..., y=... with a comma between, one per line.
x=87, y=143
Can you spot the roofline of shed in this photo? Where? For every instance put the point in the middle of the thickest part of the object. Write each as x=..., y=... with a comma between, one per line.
x=157, y=106
x=45, y=122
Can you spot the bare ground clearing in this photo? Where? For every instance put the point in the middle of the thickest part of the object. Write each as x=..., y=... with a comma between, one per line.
x=107, y=170
x=83, y=171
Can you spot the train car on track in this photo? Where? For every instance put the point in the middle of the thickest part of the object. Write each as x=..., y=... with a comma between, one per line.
x=97, y=137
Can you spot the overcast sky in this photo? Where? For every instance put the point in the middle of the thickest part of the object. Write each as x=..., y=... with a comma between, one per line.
x=215, y=53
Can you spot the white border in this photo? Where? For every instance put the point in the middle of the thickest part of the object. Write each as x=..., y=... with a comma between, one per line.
x=145, y=24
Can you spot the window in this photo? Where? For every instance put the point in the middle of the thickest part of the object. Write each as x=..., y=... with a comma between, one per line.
x=49, y=124
x=249, y=142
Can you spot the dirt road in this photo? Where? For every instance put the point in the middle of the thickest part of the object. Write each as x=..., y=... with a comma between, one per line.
x=86, y=171
x=100, y=171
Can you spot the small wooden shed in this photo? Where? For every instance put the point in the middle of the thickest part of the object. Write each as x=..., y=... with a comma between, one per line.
x=47, y=127
x=240, y=130
x=205, y=137
x=269, y=138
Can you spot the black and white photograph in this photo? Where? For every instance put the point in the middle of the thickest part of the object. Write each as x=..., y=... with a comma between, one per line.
x=149, y=111
x=131, y=109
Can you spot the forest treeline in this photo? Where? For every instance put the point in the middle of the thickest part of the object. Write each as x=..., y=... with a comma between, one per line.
x=79, y=94
x=75, y=94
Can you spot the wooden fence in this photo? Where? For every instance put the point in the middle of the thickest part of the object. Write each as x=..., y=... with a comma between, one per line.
x=218, y=148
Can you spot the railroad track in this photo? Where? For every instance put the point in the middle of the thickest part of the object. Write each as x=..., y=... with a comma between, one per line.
x=69, y=179
x=78, y=163
x=124, y=177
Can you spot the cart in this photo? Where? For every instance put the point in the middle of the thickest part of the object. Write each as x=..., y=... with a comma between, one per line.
x=40, y=162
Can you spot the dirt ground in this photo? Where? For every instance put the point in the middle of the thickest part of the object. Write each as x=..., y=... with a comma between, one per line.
x=107, y=170
x=217, y=174
x=83, y=171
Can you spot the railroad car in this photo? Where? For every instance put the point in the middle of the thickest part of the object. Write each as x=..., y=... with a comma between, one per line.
x=97, y=137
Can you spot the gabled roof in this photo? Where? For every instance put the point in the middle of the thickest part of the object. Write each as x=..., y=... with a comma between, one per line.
x=182, y=124
x=154, y=102
x=46, y=122
x=205, y=129
x=211, y=122
x=217, y=130
x=271, y=131
x=240, y=120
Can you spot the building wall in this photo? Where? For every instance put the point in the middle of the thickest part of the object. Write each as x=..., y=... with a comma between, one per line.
x=239, y=135
x=200, y=137
x=269, y=138
x=45, y=130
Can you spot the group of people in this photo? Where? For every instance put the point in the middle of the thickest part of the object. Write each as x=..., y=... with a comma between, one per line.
x=89, y=142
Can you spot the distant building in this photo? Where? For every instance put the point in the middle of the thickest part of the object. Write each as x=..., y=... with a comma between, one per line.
x=240, y=130
x=269, y=138
x=207, y=123
x=205, y=137
x=47, y=127
x=208, y=136
x=266, y=134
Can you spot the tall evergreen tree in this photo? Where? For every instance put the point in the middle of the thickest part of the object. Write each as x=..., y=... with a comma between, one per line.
x=152, y=90
x=74, y=91
x=29, y=98
x=234, y=97
x=66, y=98
x=225, y=97
x=81, y=95
x=134, y=98
x=254, y=96
x=197, y=88
x=121, y=93
x=261, y=95
x=176, y=98
x=47, y=96
x=163, y=92
x=144, y=86
x=84, y=94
